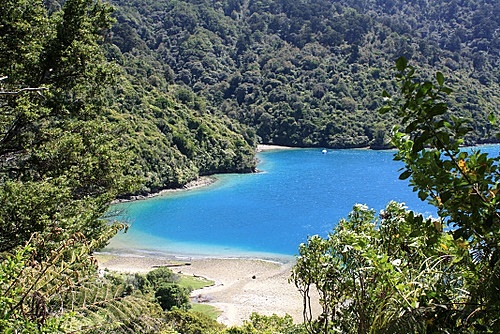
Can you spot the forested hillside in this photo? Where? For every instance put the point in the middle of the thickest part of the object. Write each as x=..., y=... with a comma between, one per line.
x=170, y=136
x=76, y=131
x=91, y=109
x=310, y=73
x=166, y=130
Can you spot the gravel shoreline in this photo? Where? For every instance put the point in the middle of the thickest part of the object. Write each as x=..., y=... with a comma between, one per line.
x=202, y=181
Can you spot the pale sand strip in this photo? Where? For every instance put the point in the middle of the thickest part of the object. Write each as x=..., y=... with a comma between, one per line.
x=242, y=286
x=266, y=147
x=202, y=181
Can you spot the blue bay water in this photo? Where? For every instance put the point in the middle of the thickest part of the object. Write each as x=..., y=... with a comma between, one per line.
x=299, y=193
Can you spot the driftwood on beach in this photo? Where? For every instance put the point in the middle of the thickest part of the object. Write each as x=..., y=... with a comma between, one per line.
x=171, y=265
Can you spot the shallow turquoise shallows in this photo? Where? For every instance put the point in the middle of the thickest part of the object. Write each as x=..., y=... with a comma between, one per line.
x=299, y=193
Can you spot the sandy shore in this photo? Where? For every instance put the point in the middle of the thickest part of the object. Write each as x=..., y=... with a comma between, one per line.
x=265, y=147
x=242, y=286
x=201, y=181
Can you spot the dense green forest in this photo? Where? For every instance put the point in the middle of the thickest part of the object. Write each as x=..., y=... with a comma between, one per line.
x=199, y=83
x=99, y=102
x=310, y=73
x=166, y=129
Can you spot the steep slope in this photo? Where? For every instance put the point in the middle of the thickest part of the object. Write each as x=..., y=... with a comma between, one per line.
x=310, y=73
x=171, y=140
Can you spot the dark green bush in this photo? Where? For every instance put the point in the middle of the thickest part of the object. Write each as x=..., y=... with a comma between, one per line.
x=171, y=296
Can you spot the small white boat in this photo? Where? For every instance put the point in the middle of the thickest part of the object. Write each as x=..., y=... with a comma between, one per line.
x=324, y=151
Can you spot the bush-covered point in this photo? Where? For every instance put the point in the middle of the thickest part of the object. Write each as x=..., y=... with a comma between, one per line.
x=160, y=276
x=171, y=296
x=188, y=322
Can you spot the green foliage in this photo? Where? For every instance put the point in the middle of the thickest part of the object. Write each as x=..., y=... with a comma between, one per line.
x=172, y=296
x=60, y=292
x=261, y=324
x=61, y=164
x=462, y=185
x=171, y=144
x=160, y=276
x=188, y=322
x=308, y=73
x=401, y=272
x=375, y=275
x=184, y=91
x=23, y=306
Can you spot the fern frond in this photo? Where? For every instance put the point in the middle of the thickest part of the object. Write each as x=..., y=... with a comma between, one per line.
x=118, y=315
x=411, y=321
x=62, y=289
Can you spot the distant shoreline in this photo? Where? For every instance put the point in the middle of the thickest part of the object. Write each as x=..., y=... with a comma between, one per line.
x=201, y=181
x=267, y=147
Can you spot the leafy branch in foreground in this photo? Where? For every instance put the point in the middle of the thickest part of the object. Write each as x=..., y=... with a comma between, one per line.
x=462, y=184
x=371, y=273
x=61, y=292
x=60, y=167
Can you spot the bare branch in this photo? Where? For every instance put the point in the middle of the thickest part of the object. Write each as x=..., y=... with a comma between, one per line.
x=28, y=89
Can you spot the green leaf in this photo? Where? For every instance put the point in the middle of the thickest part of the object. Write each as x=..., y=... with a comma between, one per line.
x=406, y=174
x=419, y=142
x=424, y=89
x=411, y=72
x=422, y=195
x=446, y=90
x=401, y=64
x=445, y=196
x=492, y=119
x=385, y=109
x=438, y=109
x=440, y=78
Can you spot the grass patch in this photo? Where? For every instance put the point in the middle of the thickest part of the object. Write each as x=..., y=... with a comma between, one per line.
x=209, y=310
x=194, y=283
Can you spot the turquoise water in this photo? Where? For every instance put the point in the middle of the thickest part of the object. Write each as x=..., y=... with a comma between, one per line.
x=299, y=193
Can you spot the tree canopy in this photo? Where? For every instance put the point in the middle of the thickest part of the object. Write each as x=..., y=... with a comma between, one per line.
x=309, y=73
x=61, y=164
